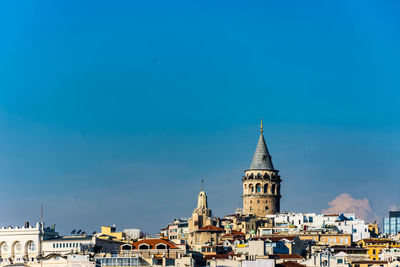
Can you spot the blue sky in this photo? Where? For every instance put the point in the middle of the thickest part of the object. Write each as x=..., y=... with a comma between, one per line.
x=111, y=113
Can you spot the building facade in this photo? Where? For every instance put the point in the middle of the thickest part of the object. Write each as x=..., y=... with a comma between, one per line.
x=391, y=224
x=261, y=183
x=23, y=245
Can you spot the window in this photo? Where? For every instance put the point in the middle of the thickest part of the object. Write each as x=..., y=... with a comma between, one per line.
x=266, y=188
x=161, y=246
x=144, y=246
x=258, y=188
x=32, y=246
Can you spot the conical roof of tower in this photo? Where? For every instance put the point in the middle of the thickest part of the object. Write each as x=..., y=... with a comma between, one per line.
x=261, y=158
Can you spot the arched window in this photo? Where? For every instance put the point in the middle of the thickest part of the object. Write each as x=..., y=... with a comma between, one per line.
x=273, y=189
x=245, y=189
x=161, y=246
x=251, y=188
x=266, y=188
x=258, y=188
x=266, y=208
x=144, y=246
x=31, y=246
x=126, y=247
x=4, y=247
x=278, y=189
x=17, y=247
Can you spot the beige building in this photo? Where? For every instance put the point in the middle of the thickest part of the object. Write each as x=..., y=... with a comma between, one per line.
x=202, y=227
x=261, y=183
x=201, y=215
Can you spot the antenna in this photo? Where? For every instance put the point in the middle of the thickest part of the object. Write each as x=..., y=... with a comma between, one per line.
x=41, y=214
x=202, y=184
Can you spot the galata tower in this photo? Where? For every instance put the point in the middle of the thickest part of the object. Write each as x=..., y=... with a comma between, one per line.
x=261, y=183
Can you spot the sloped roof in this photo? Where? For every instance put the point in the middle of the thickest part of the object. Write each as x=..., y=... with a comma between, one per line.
x=210, y=228
x=290, y=264
x=341, y=254
x=278, y=238
x=219, y=256
x=289, y=256
x=236, y=232
x=153, y=242
x=261, y=158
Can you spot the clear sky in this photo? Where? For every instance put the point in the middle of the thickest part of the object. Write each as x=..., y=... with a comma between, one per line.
x=111, y=112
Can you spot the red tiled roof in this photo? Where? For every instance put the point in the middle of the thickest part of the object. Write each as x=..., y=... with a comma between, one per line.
x=289, y=256
x=153, y=242
x=289, y=264
x=210, y=228
x=227, y=235
x=235, y=232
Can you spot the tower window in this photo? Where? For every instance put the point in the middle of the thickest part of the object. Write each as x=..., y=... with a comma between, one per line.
x=258, y=188
x=273, y=189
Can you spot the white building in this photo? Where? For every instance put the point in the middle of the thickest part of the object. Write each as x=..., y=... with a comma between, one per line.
x=392, y=254
x=324, y=259
x=295, y=222
x=66, y=245
x=132, y=233
x=32, y=245
x=23, y=244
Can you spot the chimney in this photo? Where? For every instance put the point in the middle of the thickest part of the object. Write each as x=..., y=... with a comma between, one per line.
x=26, y=224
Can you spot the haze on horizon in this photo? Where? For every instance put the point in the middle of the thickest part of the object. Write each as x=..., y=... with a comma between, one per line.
x=113, y=113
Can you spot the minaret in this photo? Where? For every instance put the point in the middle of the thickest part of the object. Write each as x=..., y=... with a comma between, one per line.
x=261, y=183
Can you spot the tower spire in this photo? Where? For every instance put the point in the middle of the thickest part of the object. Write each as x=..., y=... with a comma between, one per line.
x=261, y=158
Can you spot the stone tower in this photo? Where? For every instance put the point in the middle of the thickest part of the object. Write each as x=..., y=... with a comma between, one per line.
x=201, y=215
x=261, y=183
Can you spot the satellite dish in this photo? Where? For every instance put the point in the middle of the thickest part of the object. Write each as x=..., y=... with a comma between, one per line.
x=79, y=231
x=73, y=232
x=94, y=232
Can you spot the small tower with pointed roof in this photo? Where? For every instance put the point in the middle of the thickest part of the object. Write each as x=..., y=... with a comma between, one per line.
x=261, y=183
